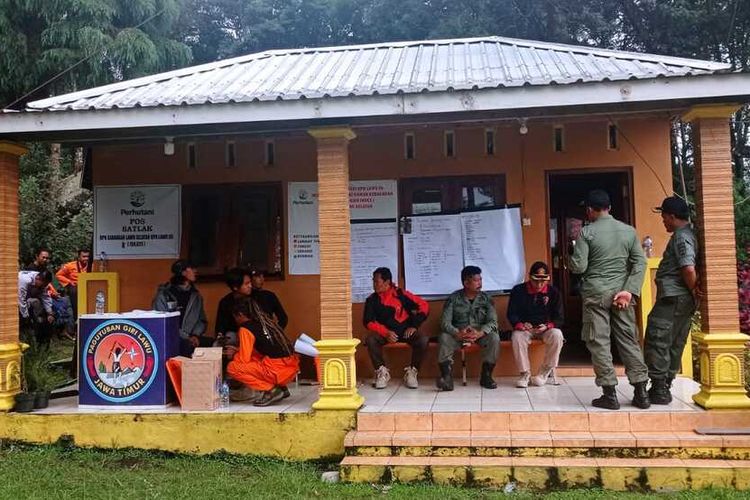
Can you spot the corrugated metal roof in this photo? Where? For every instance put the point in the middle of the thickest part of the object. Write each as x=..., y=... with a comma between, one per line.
x=380, y=69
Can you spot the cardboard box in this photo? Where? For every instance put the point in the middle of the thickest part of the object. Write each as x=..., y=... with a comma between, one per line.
x=201, y=379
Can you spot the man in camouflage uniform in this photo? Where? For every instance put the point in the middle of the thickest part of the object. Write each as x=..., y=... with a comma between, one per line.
x=676, y=298
x=609, y=255
x=469, y=317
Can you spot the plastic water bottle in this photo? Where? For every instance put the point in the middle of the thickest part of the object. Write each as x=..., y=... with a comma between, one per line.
x=224, y=395
x=99, y=302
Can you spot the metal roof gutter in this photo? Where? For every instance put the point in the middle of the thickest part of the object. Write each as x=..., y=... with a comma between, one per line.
x=722, y=87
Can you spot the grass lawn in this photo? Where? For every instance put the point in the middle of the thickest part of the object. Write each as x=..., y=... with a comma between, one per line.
x=57, y=472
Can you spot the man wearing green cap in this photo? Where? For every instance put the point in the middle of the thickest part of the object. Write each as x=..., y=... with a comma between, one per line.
x=609, y=255
x=676, y=298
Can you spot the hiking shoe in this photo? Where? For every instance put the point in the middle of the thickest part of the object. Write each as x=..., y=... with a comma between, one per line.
x=410, y=377
x=523, y=381
x=485, y=380
x=382, y=376
x=270, y=397
x=445, y=381
x=541, y=379
x=608, y=400
x=285, y=391
x=659, y=393
x=640, y=396
x=244, y=394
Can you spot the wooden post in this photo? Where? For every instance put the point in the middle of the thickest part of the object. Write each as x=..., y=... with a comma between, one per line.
x=336, y=347
x=721, y=346
x=10, y=347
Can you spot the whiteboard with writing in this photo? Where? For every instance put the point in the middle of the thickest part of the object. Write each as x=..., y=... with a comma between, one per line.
x=374, y=244
x=433, y=255
x=439, y=246
x=493, y=241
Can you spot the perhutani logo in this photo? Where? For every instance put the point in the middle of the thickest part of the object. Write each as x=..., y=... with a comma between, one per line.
x=303, y=194
x=120, y=361
x=137, y=198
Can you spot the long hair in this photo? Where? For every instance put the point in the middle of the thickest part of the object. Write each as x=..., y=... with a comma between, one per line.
x=253, y=311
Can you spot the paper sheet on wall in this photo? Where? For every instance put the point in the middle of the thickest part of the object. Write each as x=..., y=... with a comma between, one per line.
x=375, y=199
x=374, y=244
x=304, y=240
x=433, y=254
x=493, y=241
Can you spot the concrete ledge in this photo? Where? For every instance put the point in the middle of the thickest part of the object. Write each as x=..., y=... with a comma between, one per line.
x=293, y=436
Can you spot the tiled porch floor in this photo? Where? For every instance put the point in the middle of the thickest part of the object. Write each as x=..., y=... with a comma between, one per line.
x=574, y=394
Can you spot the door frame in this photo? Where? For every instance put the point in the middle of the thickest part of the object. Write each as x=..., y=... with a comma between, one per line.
x=549, y=174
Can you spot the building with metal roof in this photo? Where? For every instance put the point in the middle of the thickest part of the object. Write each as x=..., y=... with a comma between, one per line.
x=387, y=80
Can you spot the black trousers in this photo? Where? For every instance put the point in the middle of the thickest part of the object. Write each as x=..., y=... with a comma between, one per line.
x=417, y=341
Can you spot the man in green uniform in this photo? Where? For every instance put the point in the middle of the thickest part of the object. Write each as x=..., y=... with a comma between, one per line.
x=609, y=256
x=469, y=317
x=676, y=298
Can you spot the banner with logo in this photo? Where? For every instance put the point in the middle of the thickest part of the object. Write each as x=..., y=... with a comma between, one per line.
x=369, y=201
x=137, y=222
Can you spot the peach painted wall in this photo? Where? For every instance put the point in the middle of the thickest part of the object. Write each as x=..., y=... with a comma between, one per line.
x=377, y=153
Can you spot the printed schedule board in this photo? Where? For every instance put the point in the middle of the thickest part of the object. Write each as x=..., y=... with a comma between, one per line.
x=137, y=222
x=122, y=359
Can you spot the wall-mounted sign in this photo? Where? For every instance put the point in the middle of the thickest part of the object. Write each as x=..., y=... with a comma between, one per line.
x=137, y=222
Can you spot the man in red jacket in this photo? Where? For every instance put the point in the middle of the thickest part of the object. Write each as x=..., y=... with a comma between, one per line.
x=394, y=315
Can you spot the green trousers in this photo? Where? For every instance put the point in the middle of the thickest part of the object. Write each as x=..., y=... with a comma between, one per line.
x=602, y=325
x=489, y=342
x=666, y=334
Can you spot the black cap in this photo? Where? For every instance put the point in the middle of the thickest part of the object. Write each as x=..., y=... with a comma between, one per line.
x=180, y=265
x=674, y=206
x=598, y=199
x=257, y=272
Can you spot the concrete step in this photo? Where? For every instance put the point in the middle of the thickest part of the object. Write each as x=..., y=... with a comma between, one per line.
x=545, y=473
x=621, y=421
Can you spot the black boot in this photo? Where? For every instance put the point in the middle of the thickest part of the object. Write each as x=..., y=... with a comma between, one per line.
x=486, y=379
x=640, y=396
x=445, y=382
x=608, y=400
x=659, y=393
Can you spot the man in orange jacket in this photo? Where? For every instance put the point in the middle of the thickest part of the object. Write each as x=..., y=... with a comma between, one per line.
x=265, y=360
x=68, y=276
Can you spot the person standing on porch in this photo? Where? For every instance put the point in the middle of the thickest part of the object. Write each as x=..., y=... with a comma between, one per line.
x=609, y=255
x=469, y=317
x=394, y=315
x=677, y=296
x=535, y=311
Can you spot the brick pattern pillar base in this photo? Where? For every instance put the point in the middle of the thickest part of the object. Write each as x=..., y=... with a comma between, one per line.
x=10, y=348
x=721, y=346
x=336, y=347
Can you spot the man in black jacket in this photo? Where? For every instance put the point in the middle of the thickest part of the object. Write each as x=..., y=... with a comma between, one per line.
x=535, y=311
x=266, y=299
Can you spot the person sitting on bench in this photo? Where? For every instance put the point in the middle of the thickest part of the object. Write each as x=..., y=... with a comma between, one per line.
x=469, y=317
x=394, y=315
x=265, y=360
x=535, y=311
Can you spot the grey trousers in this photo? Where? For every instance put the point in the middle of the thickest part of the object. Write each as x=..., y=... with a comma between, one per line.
x=490, y=344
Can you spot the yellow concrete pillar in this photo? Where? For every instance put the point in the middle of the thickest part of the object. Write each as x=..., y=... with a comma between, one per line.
x=721, y=346
x=10, y=347
x=336, y=347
